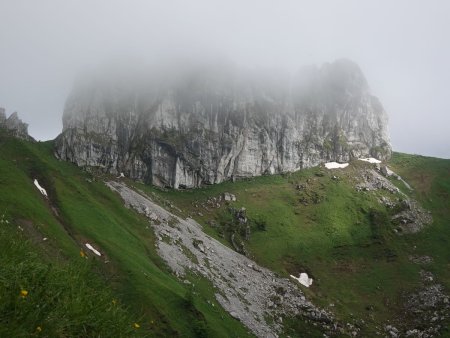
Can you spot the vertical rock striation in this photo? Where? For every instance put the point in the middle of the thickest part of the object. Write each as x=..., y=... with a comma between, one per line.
x=206, y=125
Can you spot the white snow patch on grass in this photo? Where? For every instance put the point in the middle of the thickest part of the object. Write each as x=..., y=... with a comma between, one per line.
x=370, y=160
x=42, y=190
x=335, y=165
x=90, y=247
x=304, y=279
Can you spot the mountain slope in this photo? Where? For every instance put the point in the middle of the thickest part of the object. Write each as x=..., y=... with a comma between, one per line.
x=364, y=269
x=323, y=222
x=81, y=209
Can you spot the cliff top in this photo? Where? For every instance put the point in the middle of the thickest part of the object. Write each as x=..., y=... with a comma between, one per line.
x=14, y=125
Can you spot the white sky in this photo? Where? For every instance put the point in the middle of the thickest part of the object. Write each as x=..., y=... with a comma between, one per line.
x=402, y=46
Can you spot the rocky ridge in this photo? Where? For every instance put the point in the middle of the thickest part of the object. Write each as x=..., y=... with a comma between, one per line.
x=208, y=124
x=409, y=216
x=14, y=125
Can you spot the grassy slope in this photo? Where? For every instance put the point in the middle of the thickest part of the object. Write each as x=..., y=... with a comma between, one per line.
x=57, y=299
x=430, y=178
x=89, y=212
x=361, y=268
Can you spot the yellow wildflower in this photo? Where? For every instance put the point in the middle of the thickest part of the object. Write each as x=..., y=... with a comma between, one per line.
x=23, y=293
x=136, y=326
x=39, y=329
x=82, y=254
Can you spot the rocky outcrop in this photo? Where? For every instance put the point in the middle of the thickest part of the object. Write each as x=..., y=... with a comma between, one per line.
x=14, y=126
x=206, y=125
x=409, y=216
x=248, y=292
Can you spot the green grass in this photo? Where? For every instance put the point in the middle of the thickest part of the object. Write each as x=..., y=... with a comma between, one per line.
x=430, y=178
x=345, y=240
x=56, y=299
x=82, y=209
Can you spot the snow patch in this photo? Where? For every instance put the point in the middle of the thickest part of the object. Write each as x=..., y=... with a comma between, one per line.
x=90, y=247
x=335, y=165
x=42, y=190
x=370, y=160
x=304, y=279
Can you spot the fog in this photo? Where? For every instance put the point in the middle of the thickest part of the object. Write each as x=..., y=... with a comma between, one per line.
x=402, y=46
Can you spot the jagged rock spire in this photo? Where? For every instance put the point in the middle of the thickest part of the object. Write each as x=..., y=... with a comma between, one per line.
x=14, y=125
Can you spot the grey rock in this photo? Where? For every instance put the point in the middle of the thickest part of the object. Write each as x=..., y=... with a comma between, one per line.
x=241, y=215
x=421, y=259
x=426, y=276
x=411, y=217
x=229, y=197
x=427, y=308
x=384, y=171
x=247, y=291
x=371, y=180
x=387, y=202
x=14, y=125
x=208, y=125
x=234, y=315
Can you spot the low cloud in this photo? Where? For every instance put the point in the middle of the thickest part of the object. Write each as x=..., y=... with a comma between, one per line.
x=401, y=47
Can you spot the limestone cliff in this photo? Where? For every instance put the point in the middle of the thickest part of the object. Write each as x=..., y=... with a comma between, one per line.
x=206, y=125
x=14, y=126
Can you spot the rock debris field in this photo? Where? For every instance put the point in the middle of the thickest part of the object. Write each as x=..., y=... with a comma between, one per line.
x=250, y=293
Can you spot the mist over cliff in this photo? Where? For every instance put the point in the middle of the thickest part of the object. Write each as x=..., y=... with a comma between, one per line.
x=190, y=124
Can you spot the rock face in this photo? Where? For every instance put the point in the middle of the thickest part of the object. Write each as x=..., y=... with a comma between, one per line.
x=206, y=125
x=14, y=125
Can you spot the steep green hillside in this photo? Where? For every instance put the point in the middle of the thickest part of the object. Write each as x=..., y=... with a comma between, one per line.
x=430, y=178
x=316, y=221
x=313, y=220
x=81, y=209
x=45, y=299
